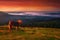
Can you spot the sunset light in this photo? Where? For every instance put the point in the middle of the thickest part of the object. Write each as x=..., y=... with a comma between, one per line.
x=31, y=5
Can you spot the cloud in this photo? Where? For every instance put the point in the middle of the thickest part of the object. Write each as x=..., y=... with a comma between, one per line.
x=28, y=13
x=52, y=14
x=16, y=14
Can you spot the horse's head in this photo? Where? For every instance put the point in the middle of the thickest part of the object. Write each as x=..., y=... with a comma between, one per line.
x=19, y=21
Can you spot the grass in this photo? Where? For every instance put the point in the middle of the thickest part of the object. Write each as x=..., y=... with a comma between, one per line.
x=28, y=33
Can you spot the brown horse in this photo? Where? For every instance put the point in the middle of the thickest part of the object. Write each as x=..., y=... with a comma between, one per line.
x=14, y=24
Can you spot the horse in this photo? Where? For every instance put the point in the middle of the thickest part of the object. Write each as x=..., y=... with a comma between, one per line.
x=15, y=24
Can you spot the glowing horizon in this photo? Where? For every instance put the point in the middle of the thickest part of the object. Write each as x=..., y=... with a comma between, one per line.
x=31, y=5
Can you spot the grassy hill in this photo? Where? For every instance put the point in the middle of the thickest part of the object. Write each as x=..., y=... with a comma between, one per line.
x=30, y=33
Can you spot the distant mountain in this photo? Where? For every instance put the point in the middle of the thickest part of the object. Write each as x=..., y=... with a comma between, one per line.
x=54, y=13
x=30, y=18
x=3, y=13
x=4, y=17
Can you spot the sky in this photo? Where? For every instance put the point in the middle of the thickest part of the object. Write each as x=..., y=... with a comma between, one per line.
x=29, y=5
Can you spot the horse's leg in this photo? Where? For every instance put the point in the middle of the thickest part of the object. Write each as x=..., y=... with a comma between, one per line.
x=16, y=28
x=9, y=28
